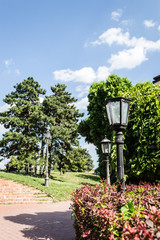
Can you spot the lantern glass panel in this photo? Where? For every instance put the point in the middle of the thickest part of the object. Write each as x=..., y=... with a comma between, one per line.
x=106, y=148
x=124, y=112
x=108, y=113
x=115, y=108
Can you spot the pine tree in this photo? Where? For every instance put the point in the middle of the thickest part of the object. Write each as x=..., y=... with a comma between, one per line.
x=22, y=120
x=62, y=117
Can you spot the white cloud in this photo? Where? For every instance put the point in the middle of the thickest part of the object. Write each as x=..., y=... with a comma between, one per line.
x=82, y=104
x=117, y=36
x=82, y=90
x=129, y=58
x=10, y=67
x=4, y=108
x=112, y=35
x=102, y=73
x=8, y=62
x=115, y=15
x=149, y=23
x=135, y=52
x=2, y=129
x=126, y=22
x=85, y=75
x=158, y=28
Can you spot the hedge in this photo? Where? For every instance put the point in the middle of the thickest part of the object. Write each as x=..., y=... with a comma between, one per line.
x=102, y=213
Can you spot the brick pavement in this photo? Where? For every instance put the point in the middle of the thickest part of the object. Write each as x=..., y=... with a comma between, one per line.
x=15, y=193
x=36, y=222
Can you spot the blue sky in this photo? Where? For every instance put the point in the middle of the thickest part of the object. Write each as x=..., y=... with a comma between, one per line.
x=76, y=43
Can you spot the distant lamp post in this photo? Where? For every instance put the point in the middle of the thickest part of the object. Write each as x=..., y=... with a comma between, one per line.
x=106, y=150
x=118, y=112
x=47, y=136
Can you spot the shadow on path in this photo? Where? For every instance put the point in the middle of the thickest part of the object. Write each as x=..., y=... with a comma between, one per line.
x=46, y=225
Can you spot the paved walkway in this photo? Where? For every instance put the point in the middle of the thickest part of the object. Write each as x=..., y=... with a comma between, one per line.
x=15, y=193
x=36, y=222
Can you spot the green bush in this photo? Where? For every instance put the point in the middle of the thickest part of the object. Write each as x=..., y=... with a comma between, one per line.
x=102, y=213
x=142, y=135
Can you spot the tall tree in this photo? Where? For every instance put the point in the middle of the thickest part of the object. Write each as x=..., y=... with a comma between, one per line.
x=62, y=117
x=96, y=126
x=80, y=160
x=142, y=136
x=21, y=121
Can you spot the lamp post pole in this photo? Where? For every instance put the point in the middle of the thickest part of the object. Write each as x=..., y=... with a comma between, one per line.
x=120, y=162
x=47, y=135
x=107, y=170
x=47, y=178
x=118, y=112
x=106, y=150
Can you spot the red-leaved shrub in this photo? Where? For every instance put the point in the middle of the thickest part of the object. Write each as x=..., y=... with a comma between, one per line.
x=102, y=213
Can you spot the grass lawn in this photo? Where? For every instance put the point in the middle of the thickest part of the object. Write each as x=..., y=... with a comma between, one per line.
x=60, y=186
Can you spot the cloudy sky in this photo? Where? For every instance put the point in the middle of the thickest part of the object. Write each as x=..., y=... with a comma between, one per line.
x=76, y=43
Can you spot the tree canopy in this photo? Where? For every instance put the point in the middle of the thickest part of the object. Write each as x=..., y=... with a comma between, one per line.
x=142, y=136
x=62, y=118
x=21, y=139
x=27, y=120
x=96, y=126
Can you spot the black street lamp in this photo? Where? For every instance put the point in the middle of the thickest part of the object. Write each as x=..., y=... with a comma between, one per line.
x=118, y=111
x=47, y=136
x=106, y=150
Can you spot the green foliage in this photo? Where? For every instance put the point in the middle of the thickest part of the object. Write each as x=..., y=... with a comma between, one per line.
x=80, y=160
x=128, y=211
x=27, y=121
x=142, y=136
x=96, y=126
x=21, y=139
x=15, y=163
x=62, y=118
x=102, y=213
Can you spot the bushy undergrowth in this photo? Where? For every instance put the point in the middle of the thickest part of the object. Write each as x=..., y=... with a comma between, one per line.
x=102, y=213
